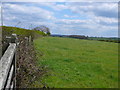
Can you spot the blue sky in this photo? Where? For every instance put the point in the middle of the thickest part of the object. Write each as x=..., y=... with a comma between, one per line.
x=81, y=18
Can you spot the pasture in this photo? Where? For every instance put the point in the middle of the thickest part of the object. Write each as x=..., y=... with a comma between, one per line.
x=76, y=63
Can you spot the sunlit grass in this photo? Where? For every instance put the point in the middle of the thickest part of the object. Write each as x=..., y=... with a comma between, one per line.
x=75, y=63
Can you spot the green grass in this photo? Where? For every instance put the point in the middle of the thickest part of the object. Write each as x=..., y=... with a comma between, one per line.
x=7, y=30
x=75, y=63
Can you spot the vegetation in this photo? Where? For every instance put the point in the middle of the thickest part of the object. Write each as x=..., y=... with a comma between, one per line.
x=8, y=31
x=72, y=36
x=26, y=69
x=64, y=62
x=20, y=31
x=105, y=39
x=76, y=63
x=115, y=40
x=43, y=28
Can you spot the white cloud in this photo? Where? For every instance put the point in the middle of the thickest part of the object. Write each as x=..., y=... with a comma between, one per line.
x=105, y=20
x=60, y=7
x=97, y=9
x=70, y=21
x=68, y=16
x=28, y=11
x=54, y=5
x=97, y=20
x=60, y=1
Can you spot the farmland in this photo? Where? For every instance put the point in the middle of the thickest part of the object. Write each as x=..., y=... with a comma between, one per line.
x=76, y=63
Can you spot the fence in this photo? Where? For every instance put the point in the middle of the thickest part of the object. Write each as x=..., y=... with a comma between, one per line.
x=7, y=64
x=7, y=68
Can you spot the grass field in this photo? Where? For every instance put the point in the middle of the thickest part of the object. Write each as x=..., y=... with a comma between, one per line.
x=75, y=63
x=7, y=31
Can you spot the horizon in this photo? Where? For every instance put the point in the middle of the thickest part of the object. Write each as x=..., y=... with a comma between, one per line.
x=65, y=18
x=84, y=35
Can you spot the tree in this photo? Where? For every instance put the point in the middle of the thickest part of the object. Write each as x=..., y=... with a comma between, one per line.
x=43, y=28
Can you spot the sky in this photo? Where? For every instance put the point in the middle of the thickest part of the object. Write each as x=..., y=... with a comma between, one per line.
x=68, y=18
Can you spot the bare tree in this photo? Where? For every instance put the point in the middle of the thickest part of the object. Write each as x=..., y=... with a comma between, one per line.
x=43, y=28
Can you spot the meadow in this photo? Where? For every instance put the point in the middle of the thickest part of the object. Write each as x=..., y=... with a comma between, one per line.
x=77, y=63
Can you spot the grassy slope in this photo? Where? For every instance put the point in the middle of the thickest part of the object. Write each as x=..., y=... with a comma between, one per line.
x=20, y=31
x=77, y=63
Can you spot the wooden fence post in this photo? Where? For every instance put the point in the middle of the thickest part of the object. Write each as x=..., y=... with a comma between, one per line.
x=30, y=39
x=7, y=66
x=26, y=41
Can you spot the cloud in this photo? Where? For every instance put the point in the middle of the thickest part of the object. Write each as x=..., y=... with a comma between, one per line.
x=98, y=9
x=106, y=21
x=60, y=1
x=68, y=16
x=54, y=5
x=85, y=27
x=60, y=7
x=93, y=19
x=69, y=21
x=23, y=12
